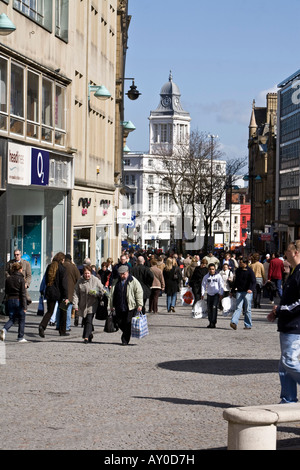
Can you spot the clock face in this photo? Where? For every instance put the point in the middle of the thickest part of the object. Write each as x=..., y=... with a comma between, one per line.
x=166, y=101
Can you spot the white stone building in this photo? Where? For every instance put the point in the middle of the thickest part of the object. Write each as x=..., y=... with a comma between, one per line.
x=156, y=220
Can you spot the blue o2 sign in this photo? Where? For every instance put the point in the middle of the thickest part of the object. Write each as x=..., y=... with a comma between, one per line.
x=39, y=167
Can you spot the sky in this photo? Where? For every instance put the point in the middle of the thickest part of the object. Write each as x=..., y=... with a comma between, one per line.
x=223, y=54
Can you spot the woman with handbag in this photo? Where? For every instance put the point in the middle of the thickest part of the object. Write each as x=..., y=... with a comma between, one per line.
x=56, y=291
x=86, y=296
x=172, y=277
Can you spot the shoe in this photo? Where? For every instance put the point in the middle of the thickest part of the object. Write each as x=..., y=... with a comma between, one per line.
x=41, y=331
x=247, y=327
x=90, y=338
x=272, y=301
x=85, y=341
x=22, y=340
x=211, y=325
x=2, y=335
x=172, y=309
x=233, y=326
x=52, y=323
x=64, y=334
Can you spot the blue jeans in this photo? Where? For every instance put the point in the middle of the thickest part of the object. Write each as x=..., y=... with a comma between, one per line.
x=69, y=314
x=171, y=301
x=278, y=284
x=15, y=312
x=242, y=297
x=289, y=367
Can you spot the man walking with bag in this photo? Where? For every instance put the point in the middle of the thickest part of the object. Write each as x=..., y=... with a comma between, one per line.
x=126, y=298
x=213, y=283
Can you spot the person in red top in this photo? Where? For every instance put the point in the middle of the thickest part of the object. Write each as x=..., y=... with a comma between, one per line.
x=276, y=270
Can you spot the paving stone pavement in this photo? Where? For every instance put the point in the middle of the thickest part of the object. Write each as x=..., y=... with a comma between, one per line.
x=166, y=391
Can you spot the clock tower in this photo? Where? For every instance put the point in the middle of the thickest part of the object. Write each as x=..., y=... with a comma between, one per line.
x=169, y=123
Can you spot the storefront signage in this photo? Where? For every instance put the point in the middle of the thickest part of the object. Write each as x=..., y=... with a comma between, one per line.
x=31, y=166
x=124, y=216
x=18, y=168
x=85, y=203
x=39, y=167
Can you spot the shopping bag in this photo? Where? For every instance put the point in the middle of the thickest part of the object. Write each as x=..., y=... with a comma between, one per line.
x=226, y=305
x=40, y=310
x=102, y=312
x=110, y=324
x=139, y=326
x=187, y=296
x=200, y=309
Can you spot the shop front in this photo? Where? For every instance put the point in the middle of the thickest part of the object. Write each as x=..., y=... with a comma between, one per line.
x=35, y=204
x=92, y=226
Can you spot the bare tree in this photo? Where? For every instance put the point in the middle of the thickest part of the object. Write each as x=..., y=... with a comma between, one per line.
x=191, y=174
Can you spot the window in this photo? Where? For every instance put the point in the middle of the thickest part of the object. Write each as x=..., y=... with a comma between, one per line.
x=60, y=124
x=39, y=11
x=150, y=202
x=37, y=104
x=17, y=99
x=62, y=19
x=47, y=110
x=32, y=104
x=3, y=94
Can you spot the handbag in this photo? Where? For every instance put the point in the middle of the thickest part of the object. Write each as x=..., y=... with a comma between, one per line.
x=110, y=325
x=40, y=310
x=139, y=326
x=102, y=312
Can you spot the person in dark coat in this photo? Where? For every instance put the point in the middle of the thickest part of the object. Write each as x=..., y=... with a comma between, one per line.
x=243, y=287
x=196, y=280
x=15, y=292
x=172, y=275
x=56, y=291
x=287, y=314
x=145, y=277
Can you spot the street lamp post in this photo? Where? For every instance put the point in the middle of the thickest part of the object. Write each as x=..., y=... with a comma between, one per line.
x=212, y=137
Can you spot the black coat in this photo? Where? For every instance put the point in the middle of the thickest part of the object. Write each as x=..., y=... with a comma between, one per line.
x=197, y=277
x=172, y=280
x=288, y=312
x=15, y=288
x=58, y=291
x=145, y=276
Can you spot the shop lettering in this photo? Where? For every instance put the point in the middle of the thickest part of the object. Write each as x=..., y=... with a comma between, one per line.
x=16, y=158
x=105, y=204
x=85, y=203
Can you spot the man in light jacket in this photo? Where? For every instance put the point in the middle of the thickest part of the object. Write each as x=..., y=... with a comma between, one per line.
x=213, y=284
x=126, y=298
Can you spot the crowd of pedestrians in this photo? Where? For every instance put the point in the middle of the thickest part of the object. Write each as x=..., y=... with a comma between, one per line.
x=135, y=282
x=138, y=279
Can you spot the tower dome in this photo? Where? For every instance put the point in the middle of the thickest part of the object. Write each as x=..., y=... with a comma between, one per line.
x=169, y=100
x=170, y=88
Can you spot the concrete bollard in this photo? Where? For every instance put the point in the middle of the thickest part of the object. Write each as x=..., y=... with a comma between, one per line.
x=251, y=429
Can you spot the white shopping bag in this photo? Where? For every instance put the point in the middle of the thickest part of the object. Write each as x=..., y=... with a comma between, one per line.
x=200, y=309
x=226, y=305
x=187, y=297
